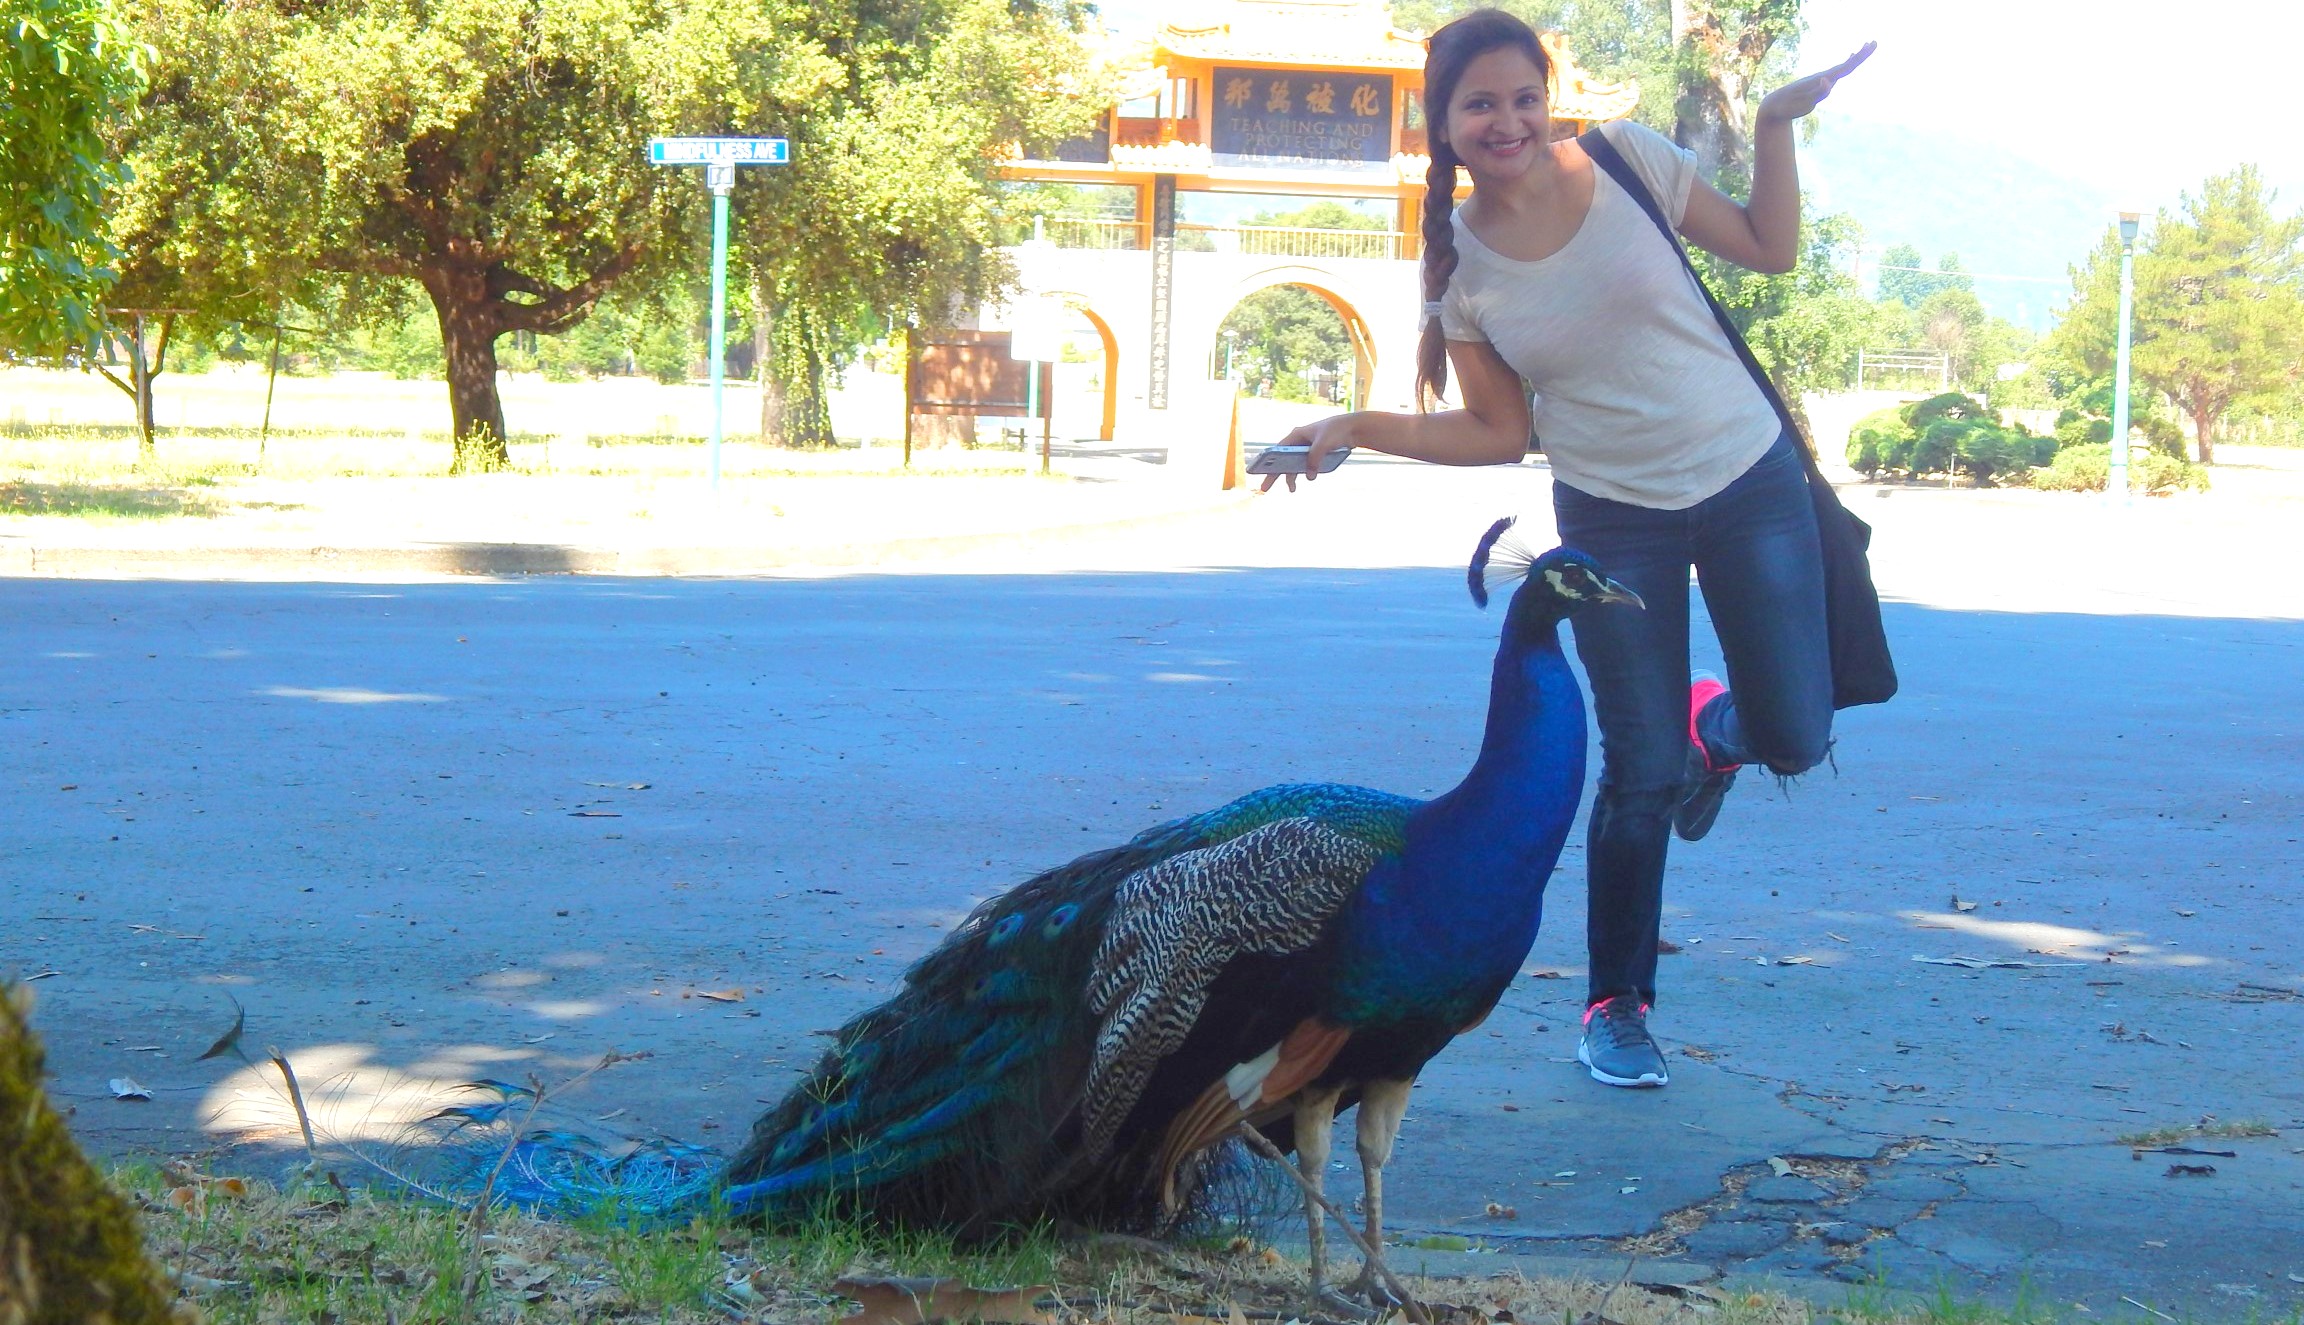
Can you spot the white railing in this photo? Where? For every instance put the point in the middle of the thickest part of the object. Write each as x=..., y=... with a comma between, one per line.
x=1291, y=241
x=1094, y=232
x=1277, y=241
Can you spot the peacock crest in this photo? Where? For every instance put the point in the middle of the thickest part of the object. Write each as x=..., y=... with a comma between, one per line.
x=1500, y=559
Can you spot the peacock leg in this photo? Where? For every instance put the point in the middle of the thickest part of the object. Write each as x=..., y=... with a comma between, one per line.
x=1382, y=1105
x=1315, y=1118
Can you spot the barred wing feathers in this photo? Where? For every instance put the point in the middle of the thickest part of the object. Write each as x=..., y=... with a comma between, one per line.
x=1178, y=924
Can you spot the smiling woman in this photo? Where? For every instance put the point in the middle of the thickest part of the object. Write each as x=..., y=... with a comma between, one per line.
x=1564, y=311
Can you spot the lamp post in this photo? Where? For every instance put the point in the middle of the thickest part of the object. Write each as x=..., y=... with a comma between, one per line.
x=2116, y=476
x=1231, y=342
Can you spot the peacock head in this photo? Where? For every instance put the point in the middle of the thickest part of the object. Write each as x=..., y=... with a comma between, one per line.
x=1558, y=584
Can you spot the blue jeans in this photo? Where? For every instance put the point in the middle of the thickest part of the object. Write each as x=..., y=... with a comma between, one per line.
x=1753, y=546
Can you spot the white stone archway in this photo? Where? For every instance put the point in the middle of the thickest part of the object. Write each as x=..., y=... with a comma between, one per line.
x=1379, y=299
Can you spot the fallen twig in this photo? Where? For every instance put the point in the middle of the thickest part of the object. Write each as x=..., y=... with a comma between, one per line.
x=1263, y=1146
x=295, y=1098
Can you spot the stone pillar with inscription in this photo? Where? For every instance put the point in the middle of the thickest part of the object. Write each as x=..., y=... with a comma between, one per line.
x=1163, y=285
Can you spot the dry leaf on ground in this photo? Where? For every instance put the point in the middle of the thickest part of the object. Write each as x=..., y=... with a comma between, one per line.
x=722, y=995
x=125, y=1088
x=915, y=1301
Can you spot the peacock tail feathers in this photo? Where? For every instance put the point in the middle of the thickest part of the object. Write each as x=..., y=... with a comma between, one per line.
x=969, y=1095
x=500, y=1144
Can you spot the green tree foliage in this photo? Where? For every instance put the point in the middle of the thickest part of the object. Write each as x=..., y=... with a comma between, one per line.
x=1326, y=214
x=1904, y=280
x=1805, y=325
x=1283, y=333
x=487, y=152
x=69, y=72
x=1952, y=323
x=1724, y=49
x=891, y=209
x=490, y=153
x=1624, y=40
x=2219, y=306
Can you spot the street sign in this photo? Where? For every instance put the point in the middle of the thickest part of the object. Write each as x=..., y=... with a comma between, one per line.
x=711, y=151
x=719, y=157
x=1039, y=326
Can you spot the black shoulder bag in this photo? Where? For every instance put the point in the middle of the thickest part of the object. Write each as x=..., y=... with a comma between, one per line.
x=1862, y=671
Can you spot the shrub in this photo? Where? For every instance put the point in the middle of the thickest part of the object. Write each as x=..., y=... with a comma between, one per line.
x=2077, y=468
x=2085, y=469
x=1870, y=441
x=1944, y=433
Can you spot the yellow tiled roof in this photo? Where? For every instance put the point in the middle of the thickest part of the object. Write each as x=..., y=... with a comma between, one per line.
x=1357, y=34
x=1347, y=33
x=1577, y=95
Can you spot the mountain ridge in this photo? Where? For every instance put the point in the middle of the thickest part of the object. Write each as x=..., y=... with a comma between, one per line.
x=2004, y=212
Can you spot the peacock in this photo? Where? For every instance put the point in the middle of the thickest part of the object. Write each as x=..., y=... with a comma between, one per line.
x=1077, y=1048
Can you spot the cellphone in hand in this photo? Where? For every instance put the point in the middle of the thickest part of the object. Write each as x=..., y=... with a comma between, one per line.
x=1290, y=460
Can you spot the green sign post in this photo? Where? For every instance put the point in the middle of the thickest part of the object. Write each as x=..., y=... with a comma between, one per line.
x=719, y=157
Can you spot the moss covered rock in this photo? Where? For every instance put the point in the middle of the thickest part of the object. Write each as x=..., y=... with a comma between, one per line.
x=70, y=1249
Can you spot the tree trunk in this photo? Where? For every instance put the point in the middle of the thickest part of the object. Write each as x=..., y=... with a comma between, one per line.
x=1721, y=47
x=772, y=422
x=2204, y=432
x=140, y=369
x=469, y=326
x=143, y=365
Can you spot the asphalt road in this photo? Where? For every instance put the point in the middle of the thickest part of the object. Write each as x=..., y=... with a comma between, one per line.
x=436, y=830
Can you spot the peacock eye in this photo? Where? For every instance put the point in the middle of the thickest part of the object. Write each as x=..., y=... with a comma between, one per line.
x=1005, y=930
x=1059, y=919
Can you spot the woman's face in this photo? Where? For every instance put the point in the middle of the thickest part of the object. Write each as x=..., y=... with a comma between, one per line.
x=1498, y=119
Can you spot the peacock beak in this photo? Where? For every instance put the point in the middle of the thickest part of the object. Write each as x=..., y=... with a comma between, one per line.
x=1612, y=592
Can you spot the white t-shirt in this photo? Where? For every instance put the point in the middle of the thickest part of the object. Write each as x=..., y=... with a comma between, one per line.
x=1639, y=397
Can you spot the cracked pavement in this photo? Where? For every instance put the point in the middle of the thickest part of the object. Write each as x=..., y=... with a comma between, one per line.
x=433, y=830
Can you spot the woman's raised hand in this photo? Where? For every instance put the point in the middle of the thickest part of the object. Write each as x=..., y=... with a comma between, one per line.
x=1803, y=95
x=1323, y=436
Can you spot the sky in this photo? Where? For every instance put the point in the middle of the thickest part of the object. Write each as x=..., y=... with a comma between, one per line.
x=2139, y=101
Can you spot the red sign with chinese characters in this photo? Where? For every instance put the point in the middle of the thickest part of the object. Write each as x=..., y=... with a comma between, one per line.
x=1320, y=120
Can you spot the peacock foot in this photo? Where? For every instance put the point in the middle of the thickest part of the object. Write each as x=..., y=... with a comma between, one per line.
x=1342, y=1305
x=1371, y=1289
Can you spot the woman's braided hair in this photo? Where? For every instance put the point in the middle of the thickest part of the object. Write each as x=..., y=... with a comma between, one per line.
x=1446, y=53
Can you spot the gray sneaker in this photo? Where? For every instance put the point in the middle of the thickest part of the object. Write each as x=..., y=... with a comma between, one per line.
x=1617, y=1047
x=1704, y=783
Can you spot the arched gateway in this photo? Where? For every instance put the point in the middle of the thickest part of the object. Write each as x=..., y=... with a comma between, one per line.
x=1306, y=98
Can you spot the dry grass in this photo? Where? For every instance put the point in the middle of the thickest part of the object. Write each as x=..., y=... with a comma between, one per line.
x=320, y=1252
x=106, y=454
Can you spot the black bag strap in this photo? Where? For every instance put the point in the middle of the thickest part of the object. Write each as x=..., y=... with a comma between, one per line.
x=1604, y=155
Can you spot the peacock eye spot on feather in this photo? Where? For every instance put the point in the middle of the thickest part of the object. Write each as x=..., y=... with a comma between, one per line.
x=1059, y=920
x=1005, y=930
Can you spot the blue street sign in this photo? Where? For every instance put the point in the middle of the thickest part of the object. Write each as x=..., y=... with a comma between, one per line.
x=718, y=151
x=719, y=157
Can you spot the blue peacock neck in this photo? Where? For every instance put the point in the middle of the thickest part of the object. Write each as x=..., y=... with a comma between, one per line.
x=1510, y=814
x=1454, y=916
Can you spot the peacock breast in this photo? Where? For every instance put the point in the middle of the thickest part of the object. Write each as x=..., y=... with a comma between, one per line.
x=1412, y=950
